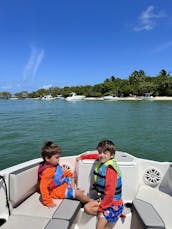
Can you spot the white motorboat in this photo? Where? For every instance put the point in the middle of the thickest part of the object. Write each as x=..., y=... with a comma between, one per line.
x=74, y=97
x=93, y=98
x=147, y=195
x=149, y=98
x=111, y=97
x=48, y=97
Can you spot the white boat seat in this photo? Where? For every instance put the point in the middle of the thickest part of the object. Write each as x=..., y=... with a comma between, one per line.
x=61, y=216
x=145, y=216
x=161, y=202
x=26, y=222
x=67, y=210
x=57, y=223
x=64, y=215
x=27, y=209
x=32, y=206
x=166, y=184
x=23, y=183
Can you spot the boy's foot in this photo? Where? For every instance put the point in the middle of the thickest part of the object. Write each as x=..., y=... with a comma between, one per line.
x=123, y=215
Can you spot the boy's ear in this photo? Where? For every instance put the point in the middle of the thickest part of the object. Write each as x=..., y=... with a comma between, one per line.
x=47, y=159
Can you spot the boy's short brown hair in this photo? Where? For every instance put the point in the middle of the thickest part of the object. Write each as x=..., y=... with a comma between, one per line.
x=107, y=145
x=49, y=149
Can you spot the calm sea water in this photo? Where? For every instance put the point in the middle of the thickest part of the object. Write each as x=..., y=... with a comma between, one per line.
x=142, y=128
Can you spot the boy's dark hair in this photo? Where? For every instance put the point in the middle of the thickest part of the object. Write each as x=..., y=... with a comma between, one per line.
x=107, y=145
x=49, y=149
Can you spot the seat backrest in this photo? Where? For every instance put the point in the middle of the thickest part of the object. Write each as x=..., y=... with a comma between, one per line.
x=23, y=183
x=129, y=171
x=84, y=171
x=166, y=184
x=145, y=216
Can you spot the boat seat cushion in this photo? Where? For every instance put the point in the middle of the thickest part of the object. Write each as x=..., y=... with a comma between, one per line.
x=33, y=206
x=166, y=184
x=26, y=222
x=57, y=223
x=23, y=183
x=62, y=215
x=145, y=216
x=67, y=210
x=161, y=202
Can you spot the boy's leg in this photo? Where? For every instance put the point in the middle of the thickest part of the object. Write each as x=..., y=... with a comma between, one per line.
x=91, y=208
x=101, y=223
x=79, y=194
x=73, y=183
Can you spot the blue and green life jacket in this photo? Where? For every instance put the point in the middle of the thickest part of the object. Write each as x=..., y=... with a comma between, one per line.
x=100, y=176
x=58, y=177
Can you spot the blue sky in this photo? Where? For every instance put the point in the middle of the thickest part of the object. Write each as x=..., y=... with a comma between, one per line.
x=81, y=42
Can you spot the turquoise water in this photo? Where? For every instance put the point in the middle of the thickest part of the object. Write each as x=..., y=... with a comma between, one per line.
x=142, y=128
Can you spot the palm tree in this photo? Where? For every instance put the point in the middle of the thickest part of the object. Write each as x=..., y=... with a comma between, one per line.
x=163, y=72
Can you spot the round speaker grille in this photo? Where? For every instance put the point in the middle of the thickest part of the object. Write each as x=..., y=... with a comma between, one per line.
x=152, y=176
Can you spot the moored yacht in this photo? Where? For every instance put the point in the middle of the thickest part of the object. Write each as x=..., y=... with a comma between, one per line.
x=73, y=97
x=48, y=97
x=111, y=97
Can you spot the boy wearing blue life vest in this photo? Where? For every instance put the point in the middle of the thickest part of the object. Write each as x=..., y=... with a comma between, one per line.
x=108, y=184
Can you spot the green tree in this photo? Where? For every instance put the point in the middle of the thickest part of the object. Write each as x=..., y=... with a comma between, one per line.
x=5, y=95
x=163, y=72
x=22, y=94
x=42, y=92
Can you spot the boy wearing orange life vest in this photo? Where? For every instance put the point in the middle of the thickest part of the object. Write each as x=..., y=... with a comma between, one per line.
x=108, y=184
x=56, y=183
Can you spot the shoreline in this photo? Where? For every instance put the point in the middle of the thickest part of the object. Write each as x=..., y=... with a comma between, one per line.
x=136, y=98
x=141, y=98
x=162, y=98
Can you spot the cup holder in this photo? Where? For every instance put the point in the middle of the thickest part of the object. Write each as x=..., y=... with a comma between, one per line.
x=2, y=221
x=127, y=207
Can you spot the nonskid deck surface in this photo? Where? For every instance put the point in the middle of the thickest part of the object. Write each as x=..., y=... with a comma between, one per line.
x=85, y=221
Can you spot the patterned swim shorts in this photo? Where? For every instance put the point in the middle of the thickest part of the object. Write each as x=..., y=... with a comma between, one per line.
x=112, y=213
x=70, y=193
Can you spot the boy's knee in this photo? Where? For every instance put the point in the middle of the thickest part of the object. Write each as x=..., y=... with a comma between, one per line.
x=76, y=193
x=79, y=193
x=86, y=208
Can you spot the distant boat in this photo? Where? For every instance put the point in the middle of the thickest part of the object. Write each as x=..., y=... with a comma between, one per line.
x=13, y=98
x=110, y=97
x=60, y=97
x=48, y=97
x=94, y=98
x=73, y=97
x=148, y=97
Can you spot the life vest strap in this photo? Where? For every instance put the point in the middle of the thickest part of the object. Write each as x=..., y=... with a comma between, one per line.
x=98, y=174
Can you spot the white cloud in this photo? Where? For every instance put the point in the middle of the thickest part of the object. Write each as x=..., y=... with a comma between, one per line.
x=163, y=47
x=47, y=86
x=33, y=63
x=148, y=19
